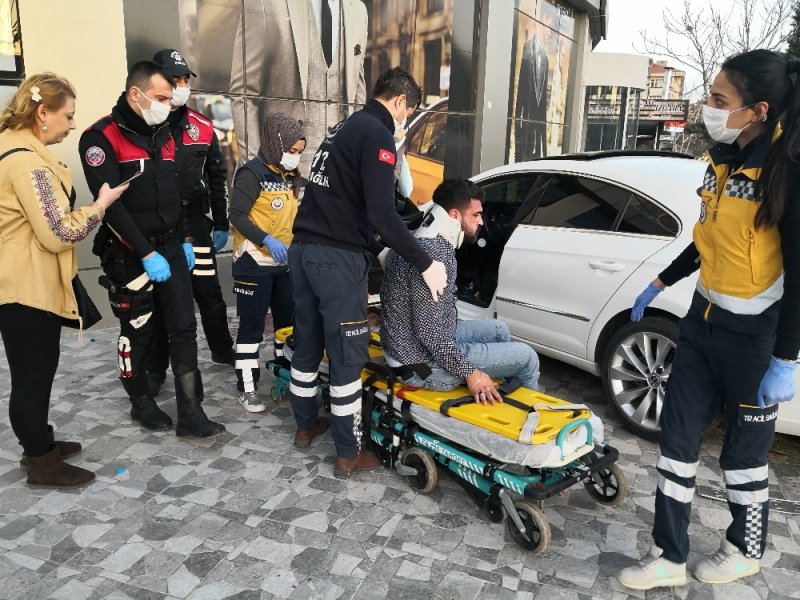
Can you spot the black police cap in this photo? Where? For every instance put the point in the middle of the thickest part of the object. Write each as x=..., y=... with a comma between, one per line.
x=173, y=62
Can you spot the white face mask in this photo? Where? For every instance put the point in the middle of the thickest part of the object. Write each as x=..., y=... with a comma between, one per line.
x=716, y=122
x=156, y=114
x=400, y=134
x=399, y=126
x=399, y=129
x=290, y=161
x=180, y=95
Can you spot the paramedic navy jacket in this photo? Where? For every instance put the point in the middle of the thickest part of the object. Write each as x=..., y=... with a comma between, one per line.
x=350, y=192
x=110, y=152
x=201, y=170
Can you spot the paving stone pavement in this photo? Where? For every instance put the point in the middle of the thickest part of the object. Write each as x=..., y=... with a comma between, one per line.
x=247, y=516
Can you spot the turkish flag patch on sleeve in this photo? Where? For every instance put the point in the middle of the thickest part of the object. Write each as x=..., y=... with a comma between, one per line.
x=386, y=156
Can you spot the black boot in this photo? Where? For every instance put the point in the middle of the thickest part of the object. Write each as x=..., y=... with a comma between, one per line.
x=227, y=357
x=155, y=380
x=191, y=418
x=143, y=408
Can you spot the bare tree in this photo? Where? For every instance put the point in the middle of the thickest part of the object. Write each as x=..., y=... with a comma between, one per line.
x=709, y=35
x=701, y=37
x=763, y=25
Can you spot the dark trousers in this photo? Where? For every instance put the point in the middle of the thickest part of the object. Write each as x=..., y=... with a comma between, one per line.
x=32, y=341
x=139, y=325
x=208, y=295
x=255, y=296
x=715, y=363
x=330, y=299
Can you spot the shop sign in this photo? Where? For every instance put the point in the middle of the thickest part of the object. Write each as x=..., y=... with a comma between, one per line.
x=603, y=110
x=658, y=109
x=674, y=126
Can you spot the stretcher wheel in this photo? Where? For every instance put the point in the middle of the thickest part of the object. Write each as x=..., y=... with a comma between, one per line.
x=277, y=392
x=537, y=530
x=427, y=474
x=493, y=509
x=607, y=486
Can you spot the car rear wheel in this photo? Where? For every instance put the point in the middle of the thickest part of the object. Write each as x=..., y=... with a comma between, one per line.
x=636, y=365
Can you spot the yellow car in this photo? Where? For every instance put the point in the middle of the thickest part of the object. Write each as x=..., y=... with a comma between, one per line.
x=425, y=150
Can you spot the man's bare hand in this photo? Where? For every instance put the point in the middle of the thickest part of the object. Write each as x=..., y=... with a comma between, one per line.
x=482, y=388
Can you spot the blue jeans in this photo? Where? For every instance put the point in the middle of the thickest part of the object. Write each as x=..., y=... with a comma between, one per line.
x=487, y=346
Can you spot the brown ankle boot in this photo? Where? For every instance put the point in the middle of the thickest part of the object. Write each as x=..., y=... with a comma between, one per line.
x=65, y=449
x=49, y=471
x=365, y=460
x=304, y=437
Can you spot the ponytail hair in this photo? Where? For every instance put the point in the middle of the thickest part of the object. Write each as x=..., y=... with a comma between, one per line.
x=779, y=166
x=44, y=88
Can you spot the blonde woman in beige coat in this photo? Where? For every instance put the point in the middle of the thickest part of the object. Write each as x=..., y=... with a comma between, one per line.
x=38, y=234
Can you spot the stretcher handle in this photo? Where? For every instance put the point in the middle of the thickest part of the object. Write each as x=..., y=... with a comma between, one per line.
x=570, y=427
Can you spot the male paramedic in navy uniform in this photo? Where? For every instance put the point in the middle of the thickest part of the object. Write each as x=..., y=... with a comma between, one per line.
x=202, y=187
x=143, y=247
x=349, y=197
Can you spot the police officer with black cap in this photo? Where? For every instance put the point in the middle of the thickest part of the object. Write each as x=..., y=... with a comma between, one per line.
x=202, y=188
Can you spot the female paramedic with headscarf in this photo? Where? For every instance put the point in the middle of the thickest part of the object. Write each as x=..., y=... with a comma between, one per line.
x=262, y=210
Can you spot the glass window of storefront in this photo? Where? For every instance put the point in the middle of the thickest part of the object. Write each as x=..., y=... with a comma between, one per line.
x=11, y=65
x=612, y=118
x=544, y=63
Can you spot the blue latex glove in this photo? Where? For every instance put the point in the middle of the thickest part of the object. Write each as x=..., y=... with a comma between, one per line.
x=157, y=267
x=220, y=238
x=277, y=249
x=642, y=300
x=188, y=251
x=778, y=383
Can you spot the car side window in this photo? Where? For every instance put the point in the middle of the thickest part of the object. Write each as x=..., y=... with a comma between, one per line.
x=580, y=203
x=646, y=217
x=429, y=142
x=415, y=136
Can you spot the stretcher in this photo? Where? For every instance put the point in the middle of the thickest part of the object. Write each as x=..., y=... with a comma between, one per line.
x=508, y=460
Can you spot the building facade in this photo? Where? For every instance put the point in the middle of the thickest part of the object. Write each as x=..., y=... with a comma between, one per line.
x=507, y=75
x=614, y=86
x=664, y=81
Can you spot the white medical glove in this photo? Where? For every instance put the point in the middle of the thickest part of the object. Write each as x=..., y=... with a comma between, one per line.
x=435, y=278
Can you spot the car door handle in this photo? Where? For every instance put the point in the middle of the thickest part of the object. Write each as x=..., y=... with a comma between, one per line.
x=606, y=265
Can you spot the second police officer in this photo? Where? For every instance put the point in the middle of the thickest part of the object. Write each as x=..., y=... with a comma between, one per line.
x=202, y=188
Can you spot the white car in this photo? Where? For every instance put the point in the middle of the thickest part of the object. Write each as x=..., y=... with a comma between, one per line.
x=567, y=244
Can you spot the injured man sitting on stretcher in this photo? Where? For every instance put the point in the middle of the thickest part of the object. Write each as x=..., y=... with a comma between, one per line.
x=423, y=340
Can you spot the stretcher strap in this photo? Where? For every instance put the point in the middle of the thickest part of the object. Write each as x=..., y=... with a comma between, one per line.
x=509, y=386
x=408, y=371
x=367, y=398
x=456, y=402
x=405, y=413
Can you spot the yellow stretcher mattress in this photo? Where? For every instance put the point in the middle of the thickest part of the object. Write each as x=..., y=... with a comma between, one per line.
x=540, y=426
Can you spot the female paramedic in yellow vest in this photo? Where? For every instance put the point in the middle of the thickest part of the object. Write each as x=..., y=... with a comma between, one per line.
x=263, y=206
x=739, y=342
x=38, y=233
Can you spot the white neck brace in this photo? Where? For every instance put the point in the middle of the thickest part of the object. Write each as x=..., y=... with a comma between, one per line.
x=438, y=222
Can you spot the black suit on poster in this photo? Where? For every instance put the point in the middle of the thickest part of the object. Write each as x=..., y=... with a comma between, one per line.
x=531, y=109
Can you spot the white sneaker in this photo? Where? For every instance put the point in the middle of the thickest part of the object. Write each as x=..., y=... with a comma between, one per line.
x=653, y=571
x=725, y=565
x=251, y=402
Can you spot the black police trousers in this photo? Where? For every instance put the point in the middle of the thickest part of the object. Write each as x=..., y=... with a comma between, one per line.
x=141, y=305
x=329, y=286
x=716, y=360
x=208, y=295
